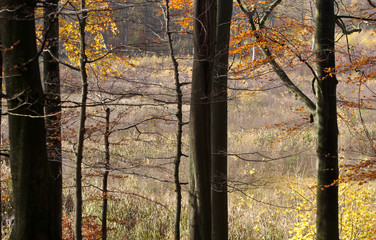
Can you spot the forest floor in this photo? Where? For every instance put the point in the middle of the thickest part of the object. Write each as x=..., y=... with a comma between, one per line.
x=271, y=159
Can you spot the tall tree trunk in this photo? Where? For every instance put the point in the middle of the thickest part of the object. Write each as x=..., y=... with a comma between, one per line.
x=106, y=173
x=326, y=123
x=200, y=154
x=179, y=116
x=219, y=122
x=53, y=108
x=82, y=121
x=31, y=176
x=1, y=138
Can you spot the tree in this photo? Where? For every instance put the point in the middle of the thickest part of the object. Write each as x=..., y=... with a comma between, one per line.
x=200, y=153
x=326, y=123
x=51, y=79
x=179, y=116
x=84, y=42
x=31, y=176
x=219, y=122
x=106, y=172
x=81, y=130
x=323, y=111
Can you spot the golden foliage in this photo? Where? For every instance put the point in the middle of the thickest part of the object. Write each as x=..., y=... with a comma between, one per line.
x=356, y=213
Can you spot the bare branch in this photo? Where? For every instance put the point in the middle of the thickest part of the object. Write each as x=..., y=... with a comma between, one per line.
x=342, y=25
x=371, y=3
x=61, y=62
x=268, y=12
x=356, y=18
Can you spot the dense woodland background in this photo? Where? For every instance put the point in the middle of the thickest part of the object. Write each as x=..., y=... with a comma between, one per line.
x=114, y=112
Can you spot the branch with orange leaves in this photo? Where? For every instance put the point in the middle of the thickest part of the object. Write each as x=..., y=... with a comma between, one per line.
x=271, y=59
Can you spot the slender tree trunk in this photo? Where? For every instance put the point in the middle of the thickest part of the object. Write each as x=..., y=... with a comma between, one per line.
x=31, y=176
x=179, y=116
x=1, y=138
x=106, y=173
x=200, y=152
x=219, y=123
x=53, y=108
x=326, y=124
x=81, y=130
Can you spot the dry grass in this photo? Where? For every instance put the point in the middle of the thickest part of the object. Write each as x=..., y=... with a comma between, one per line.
x=271, y=146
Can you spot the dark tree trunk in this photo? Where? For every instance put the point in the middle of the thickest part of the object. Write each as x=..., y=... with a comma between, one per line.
x=219, y=123
x=31, y=176
x=82, y=122
x=179, y=116
x=326, y=123
x=53, y=108
x=106, y=173
x=200, y=153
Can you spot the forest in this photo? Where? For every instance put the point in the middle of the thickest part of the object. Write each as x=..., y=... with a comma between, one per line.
x=181, y=119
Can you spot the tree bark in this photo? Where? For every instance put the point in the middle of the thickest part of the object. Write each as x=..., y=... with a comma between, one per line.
x=219, y=122
x=31, y=176
x=1, y=138
x=326, y=123
x=200, y=154
x=81, y=129
x=53, y=108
